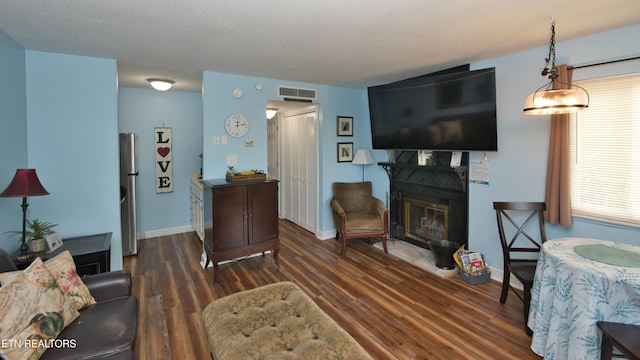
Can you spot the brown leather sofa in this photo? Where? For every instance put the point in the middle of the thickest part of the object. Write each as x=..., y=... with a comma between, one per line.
x=106, y=330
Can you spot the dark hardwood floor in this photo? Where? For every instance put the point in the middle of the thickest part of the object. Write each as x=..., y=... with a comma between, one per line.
x=393, y=309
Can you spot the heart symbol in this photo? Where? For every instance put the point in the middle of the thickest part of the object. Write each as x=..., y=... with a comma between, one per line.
x=164, y=151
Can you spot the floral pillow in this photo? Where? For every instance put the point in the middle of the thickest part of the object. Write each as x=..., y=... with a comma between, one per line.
x=7, y=277
x=33, y=311
x=63, y=270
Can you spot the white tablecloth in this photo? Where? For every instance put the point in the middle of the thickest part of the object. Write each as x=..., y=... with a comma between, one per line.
x=571, y=293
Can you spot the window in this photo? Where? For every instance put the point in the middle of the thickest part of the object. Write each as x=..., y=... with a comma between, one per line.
x=605, y=151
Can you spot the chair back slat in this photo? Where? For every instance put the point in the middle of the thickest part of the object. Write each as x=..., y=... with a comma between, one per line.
x=526, y=235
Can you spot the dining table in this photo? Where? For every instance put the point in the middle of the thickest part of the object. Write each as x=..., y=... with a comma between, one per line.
x=580, y=281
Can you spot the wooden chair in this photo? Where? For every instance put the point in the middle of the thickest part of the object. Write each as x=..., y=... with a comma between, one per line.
x=358, y=214
x=522, y=227
x=625, y=337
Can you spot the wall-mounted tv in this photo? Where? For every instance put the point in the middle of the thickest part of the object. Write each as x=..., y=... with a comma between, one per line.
x=452, y=111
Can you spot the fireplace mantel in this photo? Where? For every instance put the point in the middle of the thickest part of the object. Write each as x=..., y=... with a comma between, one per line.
x=437, y=184
x=461, y=171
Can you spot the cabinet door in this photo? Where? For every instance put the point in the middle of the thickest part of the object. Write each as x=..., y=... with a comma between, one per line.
x=229, y=217
x=263, y=212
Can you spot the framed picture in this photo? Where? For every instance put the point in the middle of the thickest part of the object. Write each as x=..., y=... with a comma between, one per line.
x=345, y=126
x=345, y=152
x=53, y=241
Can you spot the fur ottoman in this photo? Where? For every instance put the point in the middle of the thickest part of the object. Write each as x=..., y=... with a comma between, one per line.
x=276, y=321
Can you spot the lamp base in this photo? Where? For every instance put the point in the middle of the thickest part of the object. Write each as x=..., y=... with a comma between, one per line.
x=24, y=257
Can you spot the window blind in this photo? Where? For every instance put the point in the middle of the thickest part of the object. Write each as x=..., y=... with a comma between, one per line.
x=605, y=151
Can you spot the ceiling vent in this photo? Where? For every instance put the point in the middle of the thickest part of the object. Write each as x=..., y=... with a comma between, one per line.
x=296, y=93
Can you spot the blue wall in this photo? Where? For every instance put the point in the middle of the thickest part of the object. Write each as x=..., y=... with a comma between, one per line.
x=218, y=103
x=142, y=110
x=13, y=134
x=73, y=144
x=518, y=169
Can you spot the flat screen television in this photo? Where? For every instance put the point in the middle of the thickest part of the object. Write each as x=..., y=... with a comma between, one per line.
x=452, y=111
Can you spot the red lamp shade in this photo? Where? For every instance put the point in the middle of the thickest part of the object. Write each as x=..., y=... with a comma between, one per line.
x=25, y=183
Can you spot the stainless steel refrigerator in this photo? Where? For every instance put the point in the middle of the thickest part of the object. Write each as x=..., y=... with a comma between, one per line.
x=128, y=174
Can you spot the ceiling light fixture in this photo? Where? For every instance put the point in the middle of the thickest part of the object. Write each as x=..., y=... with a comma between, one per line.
x=161, y=84
x=551, y=101
x=271, y=112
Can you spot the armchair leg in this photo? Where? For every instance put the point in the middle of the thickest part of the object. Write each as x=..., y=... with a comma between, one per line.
x=344, y=246
x=384, y=244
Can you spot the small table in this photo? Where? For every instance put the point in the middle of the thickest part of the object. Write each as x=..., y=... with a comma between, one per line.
x=572, y=292
x=90, y=253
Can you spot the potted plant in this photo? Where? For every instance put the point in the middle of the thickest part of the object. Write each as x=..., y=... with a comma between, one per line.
x=35, y=233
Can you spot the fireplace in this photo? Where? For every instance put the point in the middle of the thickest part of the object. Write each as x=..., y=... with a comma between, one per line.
x=425, y=221
x=428, y=203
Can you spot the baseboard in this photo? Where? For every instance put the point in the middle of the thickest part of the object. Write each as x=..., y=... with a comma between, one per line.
x=496, y=274
x=326, y=235
x=167, y=231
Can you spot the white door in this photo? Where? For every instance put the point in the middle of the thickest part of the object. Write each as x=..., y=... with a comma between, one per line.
x=298, y=161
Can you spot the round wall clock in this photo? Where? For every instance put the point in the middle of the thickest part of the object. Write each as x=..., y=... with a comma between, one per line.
x=236, y=125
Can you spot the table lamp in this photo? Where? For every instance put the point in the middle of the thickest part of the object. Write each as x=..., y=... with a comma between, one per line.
x=25, y=183
x=363, y=157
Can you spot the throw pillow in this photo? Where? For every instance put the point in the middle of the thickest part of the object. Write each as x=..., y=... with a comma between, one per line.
x=33, y=311
x=7, y=277
x=63, y=270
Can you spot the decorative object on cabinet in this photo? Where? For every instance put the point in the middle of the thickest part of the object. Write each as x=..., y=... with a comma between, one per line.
x=345, y=152
x=238, y=93
x=557, y=97
x=241, y=219
x=164, y=160
x=236, y=125
x=25, y=183
x=35, y=233
x=53, y=241
x=345, y=125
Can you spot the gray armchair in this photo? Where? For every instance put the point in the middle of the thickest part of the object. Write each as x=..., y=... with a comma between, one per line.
x=357, y=214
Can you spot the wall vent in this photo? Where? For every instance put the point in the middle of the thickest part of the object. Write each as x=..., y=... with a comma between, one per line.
x=296, y=93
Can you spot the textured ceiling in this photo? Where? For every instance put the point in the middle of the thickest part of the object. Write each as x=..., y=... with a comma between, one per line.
x=352, y=43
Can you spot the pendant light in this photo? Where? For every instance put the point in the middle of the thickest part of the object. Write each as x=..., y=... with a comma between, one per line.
x=555, y=101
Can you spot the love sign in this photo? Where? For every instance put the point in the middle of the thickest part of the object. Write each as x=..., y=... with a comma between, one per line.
x=164, y=162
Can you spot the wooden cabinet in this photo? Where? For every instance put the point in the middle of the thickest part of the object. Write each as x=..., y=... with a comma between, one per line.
x=240, y=220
